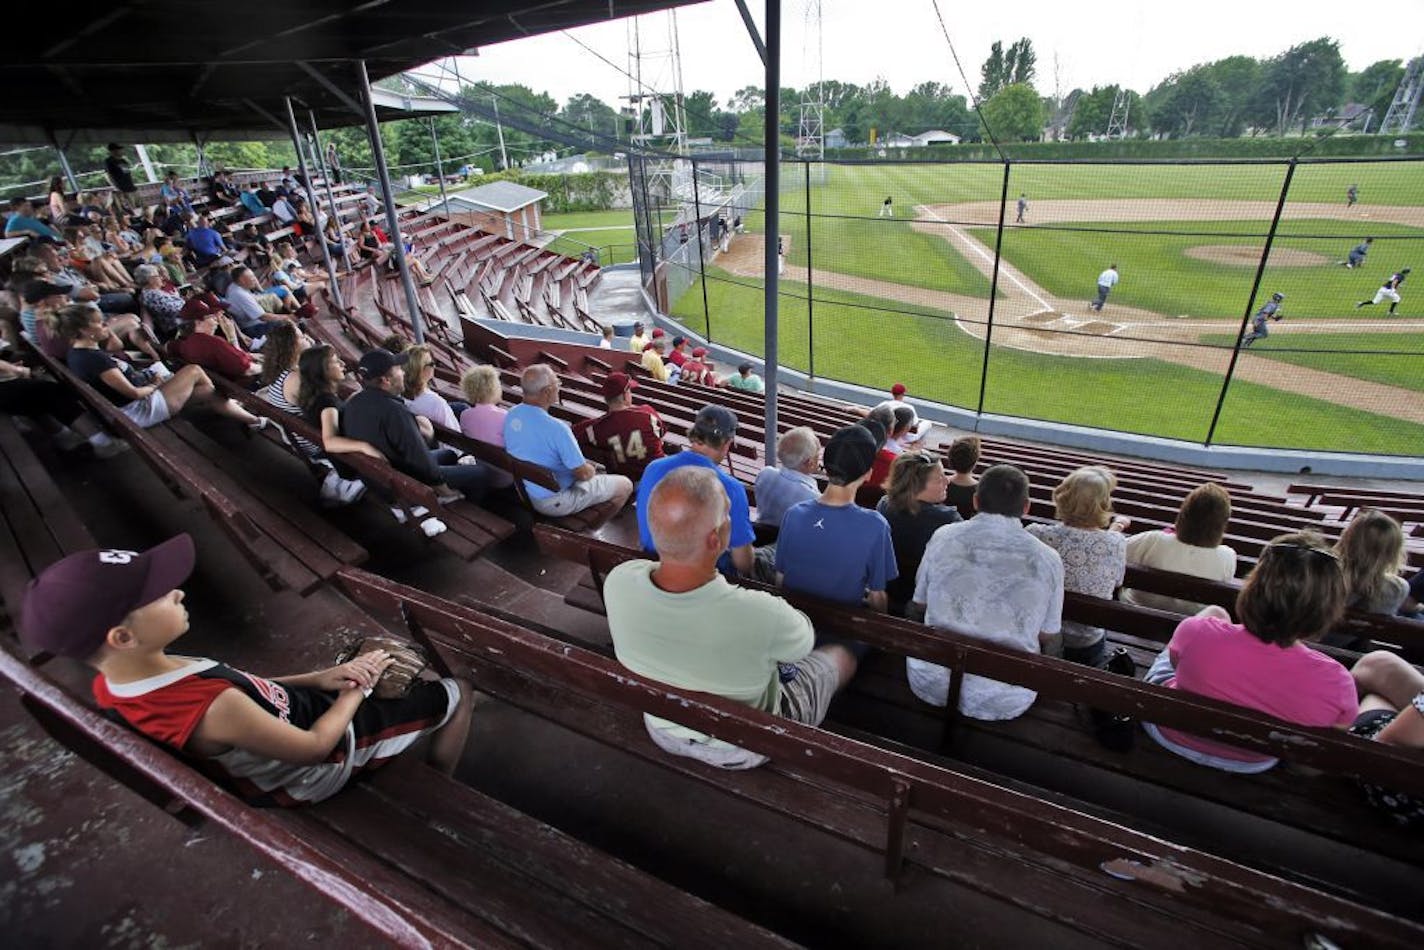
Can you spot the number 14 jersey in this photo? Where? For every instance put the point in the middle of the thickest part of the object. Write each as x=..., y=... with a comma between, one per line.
x=628, y=439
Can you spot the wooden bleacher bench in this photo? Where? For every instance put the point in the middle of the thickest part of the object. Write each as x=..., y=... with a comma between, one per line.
x=1089, y=874
x=38, y=526
x=1295, y=801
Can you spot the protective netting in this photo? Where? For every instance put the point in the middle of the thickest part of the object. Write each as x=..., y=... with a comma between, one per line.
x=888, y=268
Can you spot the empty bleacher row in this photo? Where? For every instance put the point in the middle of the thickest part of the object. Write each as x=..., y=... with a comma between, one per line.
x=917, y=787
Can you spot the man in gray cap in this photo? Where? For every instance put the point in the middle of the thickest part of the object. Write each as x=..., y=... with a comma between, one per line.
x=711, y=436
x=831, y=547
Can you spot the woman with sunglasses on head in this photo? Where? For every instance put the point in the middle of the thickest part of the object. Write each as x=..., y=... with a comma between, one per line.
x=1294, y=594
x=914, y=506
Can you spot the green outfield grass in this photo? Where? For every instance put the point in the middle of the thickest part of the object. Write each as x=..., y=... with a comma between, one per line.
x=1394, y=359
x=616, y=218
x=1158, y=275
x=927, y=351
x=861, y=188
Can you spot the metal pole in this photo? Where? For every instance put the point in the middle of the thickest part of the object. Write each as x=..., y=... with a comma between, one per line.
x=330, y=195
x=311, y=197
x=65, y=167
x=378, y=153
x=701, y=263
x=993, y=289
x=503, y=155
x=810, y=287
x=439, y=168
x=772, y=153
x=202, y=155
x=1251, y=301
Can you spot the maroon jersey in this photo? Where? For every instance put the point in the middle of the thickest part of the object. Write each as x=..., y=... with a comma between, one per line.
x=629, y=438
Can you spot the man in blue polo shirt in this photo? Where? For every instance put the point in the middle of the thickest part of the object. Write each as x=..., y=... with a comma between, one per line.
x=23, y=223
x=533, y=435
x=206, y=244
x=711, y=439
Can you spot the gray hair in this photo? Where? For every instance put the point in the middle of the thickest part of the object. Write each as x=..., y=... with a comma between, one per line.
x=796, y=447
x=143, y=273
x=535, y=379
x=686, y=504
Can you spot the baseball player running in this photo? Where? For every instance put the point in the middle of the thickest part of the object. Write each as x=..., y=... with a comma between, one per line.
x=1107, y=280
x=1271, y=311
x=1357, y=253
x=1389, y=291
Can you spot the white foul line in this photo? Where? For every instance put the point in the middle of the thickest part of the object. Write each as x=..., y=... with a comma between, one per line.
x=976, y=248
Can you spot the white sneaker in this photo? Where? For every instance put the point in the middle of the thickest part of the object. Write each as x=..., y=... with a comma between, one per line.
x=420, y=511
x=337, y=491
x=432, y=527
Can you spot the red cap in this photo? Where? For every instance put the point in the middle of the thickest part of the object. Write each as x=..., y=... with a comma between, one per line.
x=701, y=351
x=70, y=607
x=897, y=390
x=657, y=332
x=616, y=384
x=197, y=307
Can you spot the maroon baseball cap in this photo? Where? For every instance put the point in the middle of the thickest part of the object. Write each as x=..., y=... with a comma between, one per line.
x=198, y=307
x=616, y=384
x=70, y=607
x=701, y=351
x=897, y=390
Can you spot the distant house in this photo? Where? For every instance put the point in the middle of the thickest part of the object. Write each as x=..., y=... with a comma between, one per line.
x=501, y=207
x=932, y=137
x=1349, y=115
x=836, y=138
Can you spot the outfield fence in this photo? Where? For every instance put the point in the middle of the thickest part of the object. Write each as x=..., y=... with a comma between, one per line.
x=953, y=291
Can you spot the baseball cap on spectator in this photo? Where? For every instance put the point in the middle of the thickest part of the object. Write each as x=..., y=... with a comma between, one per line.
x=616, y=384
x=719, y=422
x=658, y=332
x=700, y=351
x=850, y=453
x=679, y=340
x=36, y=290
x=744, y=368
x=115, y=147
x=897, y=390
x=70, y=607
x=197, y=307
x=376, y=363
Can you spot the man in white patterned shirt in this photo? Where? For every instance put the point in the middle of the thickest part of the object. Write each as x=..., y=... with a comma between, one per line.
x=988, y=578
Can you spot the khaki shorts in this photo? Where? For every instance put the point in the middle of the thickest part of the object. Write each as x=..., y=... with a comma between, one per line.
x=581, y=495
x=805, y=699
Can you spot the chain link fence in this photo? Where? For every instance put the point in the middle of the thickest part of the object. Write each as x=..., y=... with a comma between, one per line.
x=978, y=284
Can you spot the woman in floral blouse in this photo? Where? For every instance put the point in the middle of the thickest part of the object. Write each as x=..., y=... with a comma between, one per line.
x=1089, y=539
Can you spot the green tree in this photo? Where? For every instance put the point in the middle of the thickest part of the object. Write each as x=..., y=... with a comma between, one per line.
x=1015, y=114
x=1007, y=67
x=1236, y=79
x=1304, y=80
x=588, y=112
x=1185, y=103
x=1091, y=112
x=1375, y=86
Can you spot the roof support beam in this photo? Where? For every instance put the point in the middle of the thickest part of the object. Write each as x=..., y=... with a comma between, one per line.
x=772, y=186
x=752, y=29
x=296, y=134
x=332, y=87
x=378, y=154
x=265, y=114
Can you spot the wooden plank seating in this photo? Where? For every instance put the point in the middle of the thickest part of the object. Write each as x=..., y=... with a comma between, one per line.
x=939, y=820
x=1291, y=798
x=38, y=526
x=1365, y=496
x=415, y=857
x=470, y=528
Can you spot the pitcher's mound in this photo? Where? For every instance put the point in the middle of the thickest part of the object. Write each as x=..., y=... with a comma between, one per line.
x=1244, y=255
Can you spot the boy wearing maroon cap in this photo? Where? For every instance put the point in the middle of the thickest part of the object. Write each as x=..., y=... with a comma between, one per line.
x=630, y=436
x=286, y=741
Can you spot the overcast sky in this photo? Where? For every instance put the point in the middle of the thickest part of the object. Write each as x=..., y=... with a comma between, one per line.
x=1096, y=42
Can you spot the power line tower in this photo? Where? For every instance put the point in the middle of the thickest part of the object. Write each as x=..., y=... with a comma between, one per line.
x=656, y=112
x=811, y=130
x=1400, y=117
x=1117, y=121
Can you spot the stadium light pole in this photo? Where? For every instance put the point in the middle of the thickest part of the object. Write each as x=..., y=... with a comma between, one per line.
x=330, y=195
x=311, y=198
x=383, y=174
x=1251, y=300
x=772, y=154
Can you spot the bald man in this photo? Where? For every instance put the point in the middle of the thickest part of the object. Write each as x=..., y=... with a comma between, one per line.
x=679, y=622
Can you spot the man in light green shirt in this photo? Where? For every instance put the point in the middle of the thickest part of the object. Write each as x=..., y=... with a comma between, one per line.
x=679, y=622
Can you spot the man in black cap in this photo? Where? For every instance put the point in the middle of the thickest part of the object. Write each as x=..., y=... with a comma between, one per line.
x=711, y=438
x=377, y=414
x=831, y=547
x=117, y=168
x=275, y=741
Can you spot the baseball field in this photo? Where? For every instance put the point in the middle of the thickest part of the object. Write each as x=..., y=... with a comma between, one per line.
x=873, y=299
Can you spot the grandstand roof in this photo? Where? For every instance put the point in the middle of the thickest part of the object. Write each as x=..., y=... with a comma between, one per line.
x=156, y=70
x=500, y=196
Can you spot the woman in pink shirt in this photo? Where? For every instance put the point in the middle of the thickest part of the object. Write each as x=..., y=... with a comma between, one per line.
x=484, y=420
x=1295, y=593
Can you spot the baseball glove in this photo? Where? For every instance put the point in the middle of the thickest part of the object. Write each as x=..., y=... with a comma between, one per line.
x=408, y=662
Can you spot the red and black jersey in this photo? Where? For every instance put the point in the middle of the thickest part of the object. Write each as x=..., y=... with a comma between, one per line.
x=630, y=438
